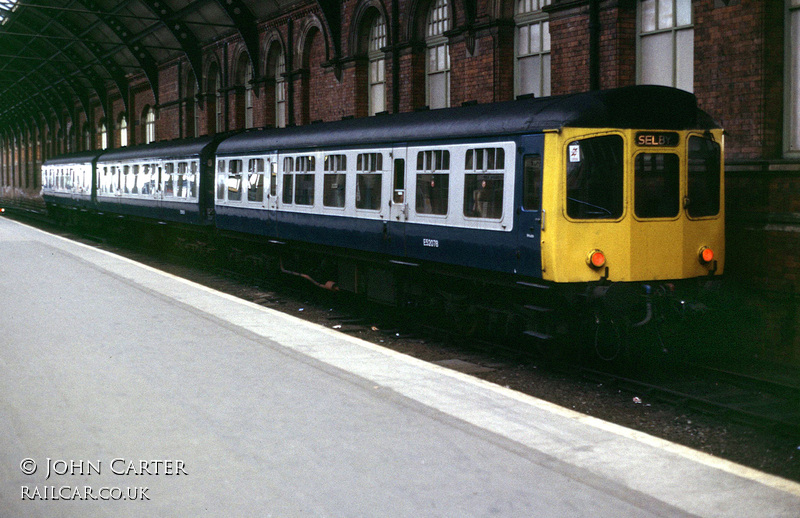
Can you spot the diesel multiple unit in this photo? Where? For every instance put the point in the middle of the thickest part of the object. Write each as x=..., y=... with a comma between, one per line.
x=501, y=213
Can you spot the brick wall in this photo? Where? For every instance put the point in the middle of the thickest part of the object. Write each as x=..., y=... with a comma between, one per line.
x=731, y=82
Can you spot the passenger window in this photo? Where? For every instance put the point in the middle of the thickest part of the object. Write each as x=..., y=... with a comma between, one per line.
x=369, y=180
x=169, y=179
x=191, y=179
x=235, y=180
x=150, y=179
x=532, y=182
x=657, y=185
x=137, y=181
x=288, y=180
x=483, y=183
x=179, y=181
x=704, y=178
x=273, y=181
x=221, y=179
x=107, y=180
x=335, y=180
x=116, y=178
x=144, y=174
x=305, y=166
x=595, y=178
x=127, y=180
x=255, y=180
x=433, y=181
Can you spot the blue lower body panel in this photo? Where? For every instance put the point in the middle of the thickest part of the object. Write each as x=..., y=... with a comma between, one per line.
x=152, y=208
x=483, y=249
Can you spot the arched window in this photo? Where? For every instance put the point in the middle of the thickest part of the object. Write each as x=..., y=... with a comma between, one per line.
x=438, y=63
x=280, y=91
x=532, y=48
x=666, y=43
x=103, y=131
x=123, y=131
x=377, y=66
x=149, y=125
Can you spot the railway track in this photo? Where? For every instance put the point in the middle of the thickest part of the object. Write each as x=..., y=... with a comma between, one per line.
x=748, y=397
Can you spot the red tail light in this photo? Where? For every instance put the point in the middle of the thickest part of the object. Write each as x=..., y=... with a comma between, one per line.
x=706, y=255
x=596, y=259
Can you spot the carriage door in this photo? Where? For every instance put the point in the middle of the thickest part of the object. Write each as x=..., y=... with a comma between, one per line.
x=531, y=217
x=394, y=233
x=272, y=188
x=271, y=196
x=399, y=200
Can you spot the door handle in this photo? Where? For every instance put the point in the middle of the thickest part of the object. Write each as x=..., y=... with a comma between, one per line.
x=540, y=220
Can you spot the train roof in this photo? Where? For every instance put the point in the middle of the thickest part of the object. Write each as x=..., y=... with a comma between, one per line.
x=634, y=107
x=184, y=148
x=80, y=157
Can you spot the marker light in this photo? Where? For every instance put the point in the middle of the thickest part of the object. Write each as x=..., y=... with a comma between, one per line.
x=706, y=255
x=596, y=259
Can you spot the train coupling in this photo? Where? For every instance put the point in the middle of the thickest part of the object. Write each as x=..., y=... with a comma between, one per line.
x=639, y=303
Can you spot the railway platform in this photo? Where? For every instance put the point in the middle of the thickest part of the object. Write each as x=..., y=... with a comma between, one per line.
x=125, y=391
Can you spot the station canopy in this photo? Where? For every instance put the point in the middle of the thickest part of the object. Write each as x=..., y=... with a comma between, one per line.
x=56, y=54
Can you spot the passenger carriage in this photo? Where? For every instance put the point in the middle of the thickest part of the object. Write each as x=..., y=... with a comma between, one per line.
x=67, y=180
x=167, y=181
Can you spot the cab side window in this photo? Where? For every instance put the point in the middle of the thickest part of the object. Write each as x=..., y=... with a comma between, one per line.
x=532, y=182
x=704, y=177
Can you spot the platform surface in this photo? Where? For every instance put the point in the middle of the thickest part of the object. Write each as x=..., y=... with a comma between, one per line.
x=125, y=391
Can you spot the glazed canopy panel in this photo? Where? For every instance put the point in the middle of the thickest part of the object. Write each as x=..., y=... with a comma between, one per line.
x=55, y=52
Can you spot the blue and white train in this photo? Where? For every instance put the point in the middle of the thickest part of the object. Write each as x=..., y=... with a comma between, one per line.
x=481, y=206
